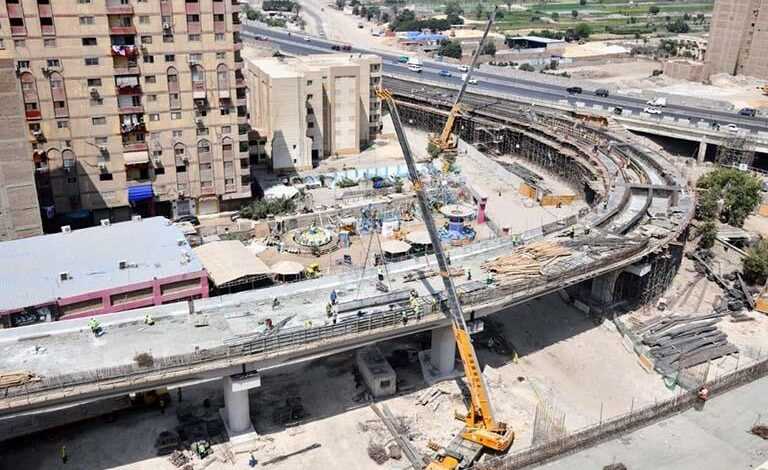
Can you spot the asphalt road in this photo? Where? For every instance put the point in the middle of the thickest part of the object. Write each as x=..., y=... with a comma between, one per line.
x=716, y=438
x=297, y=44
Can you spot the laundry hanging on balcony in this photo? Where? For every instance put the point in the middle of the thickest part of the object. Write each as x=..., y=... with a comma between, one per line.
x=125, y=51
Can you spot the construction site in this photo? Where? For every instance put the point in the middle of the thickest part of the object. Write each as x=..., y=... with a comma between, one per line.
x=490, y=285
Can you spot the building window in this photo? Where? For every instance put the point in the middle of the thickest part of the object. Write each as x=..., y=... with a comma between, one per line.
x=53, y=63
x=87, y=19
x=84, y=2
x=154, y=117
x=149, y=59
x=94, y=82
x=19, y=43
x=152, y=98
x=89, y=41
x=22, y=64
x=175, y=115
x=99, y=121
x=167, y=37
x=226, y=129
x=150, y=79
x=97, y=101
x=144, y=19
x=91, y=61
x=178, y=133
x=218, y=37
x=146, y=39
x=202, y=131
x=101, y=140
x=105, y=176
x=62, y=124
x=221, y=56
x=159, y=170
x=170, y=57
x=49, y=42
x=194, y=37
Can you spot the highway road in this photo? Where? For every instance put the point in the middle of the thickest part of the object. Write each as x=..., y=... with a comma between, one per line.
x=293, y=43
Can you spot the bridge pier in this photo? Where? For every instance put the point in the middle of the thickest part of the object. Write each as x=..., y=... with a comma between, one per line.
x=601, y=294
x=236, y=413
x=702, y=151
x=439, y=362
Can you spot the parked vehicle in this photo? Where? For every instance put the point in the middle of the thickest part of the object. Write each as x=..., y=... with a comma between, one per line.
x=574, y=90
x=445, y=73
x=652, y=110
x=748, y=112
x=463, y=68
x=657, y=102
x=602, y=92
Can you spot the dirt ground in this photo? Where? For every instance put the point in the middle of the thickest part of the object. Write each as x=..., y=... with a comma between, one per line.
x=559, y=352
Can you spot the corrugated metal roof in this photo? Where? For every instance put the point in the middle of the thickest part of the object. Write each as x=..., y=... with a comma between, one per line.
x=153, y=248
x=228, y=261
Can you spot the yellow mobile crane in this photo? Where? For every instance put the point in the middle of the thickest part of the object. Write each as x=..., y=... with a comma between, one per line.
x=482, y=431
x=446, y=141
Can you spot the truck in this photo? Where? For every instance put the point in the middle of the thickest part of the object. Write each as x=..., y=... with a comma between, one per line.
x=658, y=102
x=414, y=65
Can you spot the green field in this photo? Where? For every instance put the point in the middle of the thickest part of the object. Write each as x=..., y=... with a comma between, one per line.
x=613, y=16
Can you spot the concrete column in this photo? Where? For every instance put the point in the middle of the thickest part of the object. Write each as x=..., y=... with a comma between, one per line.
x=443, y=355
x=237, y=408
x=602, y=288
x=702, y=151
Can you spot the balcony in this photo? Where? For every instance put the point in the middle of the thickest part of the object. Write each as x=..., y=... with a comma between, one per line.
x=219, y=26
x=219, y=8
x=33, y=114
x=14, y=10
x=207, y=188
x=194, y=27
x=127, y=68
x=125, y=51
x=192, y=8
x=117, y=8
x=48, y=30
x=128, y=90
x=127, y=129
x=121, y=29
x=136, y=147
x=43, y=10
x=18, y=31
x=130, y=109
x=198, y=90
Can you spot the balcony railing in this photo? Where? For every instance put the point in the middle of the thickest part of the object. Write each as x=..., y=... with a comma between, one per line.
x=33, y=114
x=18, y=31
x=119, y=29
x=129, y=128
x=48, y=30
x=130, y=109
x=135, y=146
x=44, y=11
x=125, y=51
x=127, y=68
x=128, y=89
x=114, y=8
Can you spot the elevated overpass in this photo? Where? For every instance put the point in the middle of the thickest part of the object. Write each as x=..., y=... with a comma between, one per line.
x=225, y=336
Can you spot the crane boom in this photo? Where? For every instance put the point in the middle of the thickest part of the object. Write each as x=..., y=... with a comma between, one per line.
x=444, y=140
x=481, y=425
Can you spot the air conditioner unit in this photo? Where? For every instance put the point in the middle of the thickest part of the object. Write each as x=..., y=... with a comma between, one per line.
x=199, y=122
x=95, y=93
x=66, y=229
x=122, y=264
x=166, y=26
x=105, y=222
x=64, y=276
x=103, y=149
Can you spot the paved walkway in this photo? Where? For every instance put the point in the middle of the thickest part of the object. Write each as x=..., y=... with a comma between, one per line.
x=716, y=438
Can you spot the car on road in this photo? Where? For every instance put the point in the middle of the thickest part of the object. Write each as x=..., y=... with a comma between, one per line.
x=618, y=110
x=732, y=128
x=748, y=112
x=574, y=90
x=652, y=110
x=402, y=59
x=463, y=68
x=602, y=92
x=307, y=38
x=659, y=102
x=472, y=81
x=341, y=47
x=445, y=73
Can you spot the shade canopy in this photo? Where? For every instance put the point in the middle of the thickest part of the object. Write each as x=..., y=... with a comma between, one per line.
x=419, y=238
x=136, y=158
x=395, y=247
x=287, y=268
x=229, y=261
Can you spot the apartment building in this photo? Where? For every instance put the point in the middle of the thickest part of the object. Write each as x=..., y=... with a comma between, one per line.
x=311, y=107
x=19, y=210
x=132, y=106
x=738, y=38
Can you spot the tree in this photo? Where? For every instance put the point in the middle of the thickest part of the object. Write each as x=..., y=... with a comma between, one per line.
x=555, y=16
x=678, y=26
x=340, y=4
x=739, y=191
x=582, y=2
x=489, y=49
x=479, y=11
x=450, y=48
x=575, y=13
x=707, y=232
x=454, y=8
x=654, y=10
x=582, y=31
x=755, y=264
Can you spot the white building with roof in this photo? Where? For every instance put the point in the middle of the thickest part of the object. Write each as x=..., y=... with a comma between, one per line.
x=97, y=270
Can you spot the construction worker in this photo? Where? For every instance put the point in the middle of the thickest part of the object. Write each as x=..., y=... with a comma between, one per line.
x=328, y=310
x=275, y=303
x=252, y=462
x=63, y=454
x=334, y=297
x=94, y=325
x=404, y=318
x=380, y=271
x=469, y=274
x=148, y=320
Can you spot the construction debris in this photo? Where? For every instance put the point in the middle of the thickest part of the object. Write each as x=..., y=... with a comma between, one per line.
x=168, y=442
x=425, y=274
x=280, y=458
x=615, y=466
x=679, y=342
x=526, y=262
x=760, y=430
x=16, y=378
x=431, y=395
x=377, y=452
x=178, y=458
